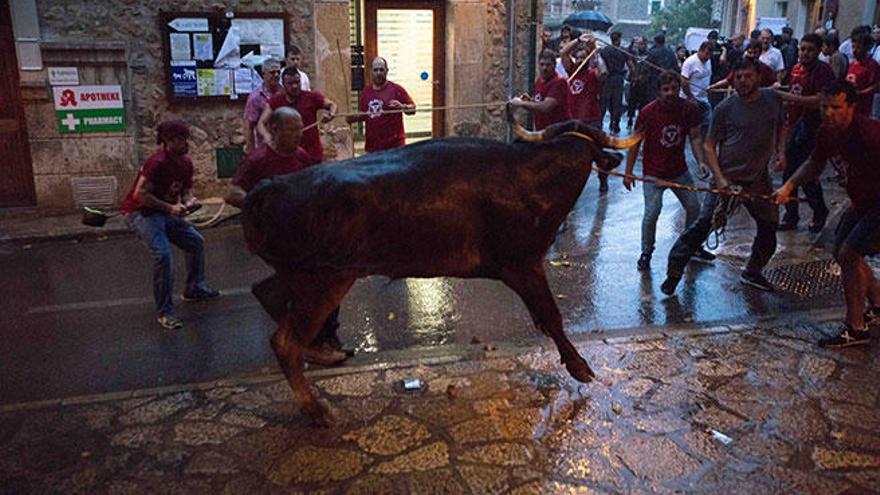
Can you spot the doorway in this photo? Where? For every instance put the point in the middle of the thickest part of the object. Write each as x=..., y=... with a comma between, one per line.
x=410, y=35
x=17, y=186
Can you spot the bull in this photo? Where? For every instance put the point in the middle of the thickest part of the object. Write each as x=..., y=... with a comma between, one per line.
x=455, y=207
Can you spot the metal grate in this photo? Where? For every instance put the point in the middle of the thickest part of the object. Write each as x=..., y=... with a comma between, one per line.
x=807, y=280
x=96, y=192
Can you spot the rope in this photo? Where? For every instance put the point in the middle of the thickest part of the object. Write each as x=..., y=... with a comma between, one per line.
x=595, y=50
x=216, y=216
x=428, y=109
x=644, y=60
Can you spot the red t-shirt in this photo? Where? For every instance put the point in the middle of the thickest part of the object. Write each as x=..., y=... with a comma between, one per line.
x=857, y=149
x=664, y=129
x=583, y=96
x=557, y=89
x=264, y=162
x=171, y=175
x=307, y=104
x=862, y=75
x=806, y=81
x=384, y=130
x=766, y=76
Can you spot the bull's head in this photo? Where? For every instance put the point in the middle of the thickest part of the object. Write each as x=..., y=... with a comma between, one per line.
x=521, y=133
x=595, y=135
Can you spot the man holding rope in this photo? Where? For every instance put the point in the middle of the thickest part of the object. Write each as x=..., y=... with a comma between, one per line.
x=384, y=130
x=847, y=135
x=746, y=129
x=550, y=103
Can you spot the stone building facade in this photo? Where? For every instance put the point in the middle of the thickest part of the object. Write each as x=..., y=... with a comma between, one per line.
x=119, y=42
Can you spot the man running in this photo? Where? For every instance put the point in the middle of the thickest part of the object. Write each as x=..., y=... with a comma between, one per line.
x=847, y=135
x=664, y=123
x=745, y=132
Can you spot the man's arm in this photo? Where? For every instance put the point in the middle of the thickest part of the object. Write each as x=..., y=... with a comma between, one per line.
x=248, y=136
x=565, y=55
x=543, y=106
x=143, y=193
x=806, y=101
x=330, y=106
x=235, y=196
x=781, y=134
x=631, y=156
x=261, y=124
x=696, y=139
x=810, y=170
x=711, y=156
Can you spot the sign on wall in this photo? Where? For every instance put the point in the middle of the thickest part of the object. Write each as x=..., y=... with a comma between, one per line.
x=63, y=76
x=81, y=109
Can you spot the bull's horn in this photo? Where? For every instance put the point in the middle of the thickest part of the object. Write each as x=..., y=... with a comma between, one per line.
x=521, y=133
x=627, y=142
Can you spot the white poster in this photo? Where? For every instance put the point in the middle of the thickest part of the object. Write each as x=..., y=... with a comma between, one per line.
x=214, y=82
x=244, y=81
x=259, y=31
x=229, y=55
x=203, y=46
x=274, y=50
x=180, y=46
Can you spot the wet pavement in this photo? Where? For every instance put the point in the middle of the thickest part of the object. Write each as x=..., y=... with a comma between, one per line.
x=727, y=409
x=78, y=315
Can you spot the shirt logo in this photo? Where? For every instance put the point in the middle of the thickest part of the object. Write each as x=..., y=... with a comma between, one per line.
x=374, y=108
x=796, y=89
x=539, y=98
x=670, y=136
x=851, y=77
x=577, y=87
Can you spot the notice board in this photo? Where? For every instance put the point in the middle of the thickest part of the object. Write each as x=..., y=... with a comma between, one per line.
x=210, y=56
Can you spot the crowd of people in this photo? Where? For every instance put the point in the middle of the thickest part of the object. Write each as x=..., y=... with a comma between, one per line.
x=794, y=107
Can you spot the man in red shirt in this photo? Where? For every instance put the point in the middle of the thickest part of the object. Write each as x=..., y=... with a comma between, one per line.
x=766, y=76
x=854, y=139
x=279, y=156
x=307, y=103
x=550, y=103
x=664, y=123
x=808, y=77
x=154, y=209
x=384, y=130
x=863, y=72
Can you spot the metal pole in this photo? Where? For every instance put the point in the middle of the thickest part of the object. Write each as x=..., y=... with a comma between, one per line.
x=511, y=52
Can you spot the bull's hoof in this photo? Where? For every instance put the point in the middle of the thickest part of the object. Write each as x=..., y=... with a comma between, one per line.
x=579, y=370
x=319, y=414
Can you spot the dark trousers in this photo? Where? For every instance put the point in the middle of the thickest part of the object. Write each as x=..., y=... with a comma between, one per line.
x=274, y=296
x=766, y=216
x=798, y=148
x=612, y=99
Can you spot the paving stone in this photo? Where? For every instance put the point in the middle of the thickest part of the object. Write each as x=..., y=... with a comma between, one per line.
x=442, y=412
x=516, y=424
x=122, y=487
x=654, y=364
x=635, y=388
x=394, y=376
x=483, y=385
x=718, y=419
x=352, y=385
x=703, y=445
x=855, y=439
x=248, y=483
x=484, y=480
x=439, y=481
x=801, y=425
x=862, y=417
x=373, y=484
x=258, y=450
x=760, y=447
x=846, y=390
x=159, y=409
x=659, y=422
x=838, y=459
x=219, y=393
x=278, y=392
x=98, y=417
x=244, y=419
x=719, y=367
x=129, y=404
x=801, y=482
x=670, y=396
x=492, y=407
x=138, y=437
x=656, y=458
x=499, y=364
x=249, y=399
x=203, y=433
x=211, y=463
x=206, y=412
x=813, y=368
x=542, y=487
x=318, y=465
x=499, y=454
x=361, y=409
x=866, y=479
x=425, y=458
x=390, y=435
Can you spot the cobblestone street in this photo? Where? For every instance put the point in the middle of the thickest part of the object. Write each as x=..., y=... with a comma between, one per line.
x=787, y=417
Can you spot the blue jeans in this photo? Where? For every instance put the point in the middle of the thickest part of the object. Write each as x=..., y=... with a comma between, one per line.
x=654, y=203
x=158, y=231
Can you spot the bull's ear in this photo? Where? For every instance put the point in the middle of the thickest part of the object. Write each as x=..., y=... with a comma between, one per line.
x=621, y=143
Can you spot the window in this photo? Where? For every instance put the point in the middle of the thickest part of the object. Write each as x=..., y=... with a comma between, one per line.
x=782, y=9
x=654, y=6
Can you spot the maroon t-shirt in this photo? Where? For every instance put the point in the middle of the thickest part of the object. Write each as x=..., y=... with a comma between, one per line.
x=264, y=162
x=171, y=175
x=307, y=104
x=766, y=76
x=862, y=75
x=384, y=130
x=664, y=129
x=583, y=96
x=557, y=89
x=808, y=81
x=858, y=149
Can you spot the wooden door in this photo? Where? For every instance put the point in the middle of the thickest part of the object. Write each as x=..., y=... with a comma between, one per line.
x=16, y=173
x=410, y=35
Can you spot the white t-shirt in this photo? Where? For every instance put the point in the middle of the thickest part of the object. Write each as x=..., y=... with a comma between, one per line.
x=304, y=83
x=773, y=59
x=699, y=74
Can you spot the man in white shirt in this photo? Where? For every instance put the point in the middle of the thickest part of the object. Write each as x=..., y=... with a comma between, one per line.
x=697, y=74
x=293, y=59
x=771, y=55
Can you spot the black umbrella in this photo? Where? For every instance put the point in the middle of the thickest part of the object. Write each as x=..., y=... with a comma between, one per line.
x=588, y=19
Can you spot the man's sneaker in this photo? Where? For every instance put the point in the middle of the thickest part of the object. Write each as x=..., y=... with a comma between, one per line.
x=169, y=322
x=757, y=281
x=847, y=338
x=201, y=295
x=668, y=286
x=644, y=263
x=872, y=317
x=703, y=256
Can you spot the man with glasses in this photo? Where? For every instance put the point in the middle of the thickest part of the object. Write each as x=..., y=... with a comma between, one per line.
x=384, y=130
x=257, y=101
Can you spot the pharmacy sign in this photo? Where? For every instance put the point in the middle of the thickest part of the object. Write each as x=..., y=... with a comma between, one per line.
x=89, y=109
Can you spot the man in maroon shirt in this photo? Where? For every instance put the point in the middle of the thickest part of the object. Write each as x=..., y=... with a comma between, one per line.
x=307, y=103
x=279, y=156
x=854, y=139
x=863, y=72
x=549, y=104
x=664, y=124
x=766, y=77
x=807, y=79
x=384, y=130
x=154, y=208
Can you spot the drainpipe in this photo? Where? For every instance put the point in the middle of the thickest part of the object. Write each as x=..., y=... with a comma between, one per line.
x=511, y=52
x=533, y=41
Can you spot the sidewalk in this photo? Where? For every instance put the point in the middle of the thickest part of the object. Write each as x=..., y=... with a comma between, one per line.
x=791, y=418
